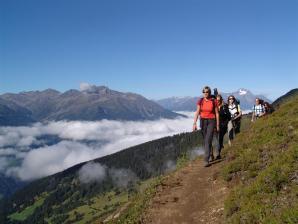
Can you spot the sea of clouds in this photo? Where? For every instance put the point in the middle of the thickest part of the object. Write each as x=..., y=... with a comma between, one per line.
x=79, y=141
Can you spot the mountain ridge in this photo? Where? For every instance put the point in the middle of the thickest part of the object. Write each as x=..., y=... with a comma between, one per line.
x=93, y=103
x=188, y=103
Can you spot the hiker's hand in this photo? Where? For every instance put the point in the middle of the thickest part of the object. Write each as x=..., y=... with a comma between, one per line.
x=194, y=127
x=217, y=128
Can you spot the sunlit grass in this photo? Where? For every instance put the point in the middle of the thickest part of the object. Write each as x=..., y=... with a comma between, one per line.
x=262, y=166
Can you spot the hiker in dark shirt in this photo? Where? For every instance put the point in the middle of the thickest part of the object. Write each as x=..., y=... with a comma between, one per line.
x=224, y=118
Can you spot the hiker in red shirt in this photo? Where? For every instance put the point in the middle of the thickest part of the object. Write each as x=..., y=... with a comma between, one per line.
x=209, y=120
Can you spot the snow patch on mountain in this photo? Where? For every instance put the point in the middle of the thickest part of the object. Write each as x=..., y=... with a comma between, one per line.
x=242, y=92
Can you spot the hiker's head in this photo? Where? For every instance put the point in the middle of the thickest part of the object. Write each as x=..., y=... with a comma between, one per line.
x=206, y=91
x=231, y=99
x=257, y=101
x=219, y=98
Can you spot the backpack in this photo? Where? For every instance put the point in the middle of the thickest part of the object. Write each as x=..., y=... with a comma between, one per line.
x=224, y=115
x=237, y=102
x=226, y=112
x=269, y=108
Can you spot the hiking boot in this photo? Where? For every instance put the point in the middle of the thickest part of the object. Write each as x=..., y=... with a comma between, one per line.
x=218, y=157
x=206, y=164
x=211, y=158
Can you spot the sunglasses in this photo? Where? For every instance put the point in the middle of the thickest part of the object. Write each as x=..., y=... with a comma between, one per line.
x=205, y=92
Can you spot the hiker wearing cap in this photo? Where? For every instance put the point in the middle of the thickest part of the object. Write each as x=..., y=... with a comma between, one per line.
x=209, y=120
x=258, y=110
x=235, y=122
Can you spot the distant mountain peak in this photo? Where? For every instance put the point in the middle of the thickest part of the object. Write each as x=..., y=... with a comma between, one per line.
x=90, y=88
x=51, y=90
x=242, y=91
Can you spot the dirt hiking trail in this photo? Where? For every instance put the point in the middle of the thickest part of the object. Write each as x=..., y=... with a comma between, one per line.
x=192, y=194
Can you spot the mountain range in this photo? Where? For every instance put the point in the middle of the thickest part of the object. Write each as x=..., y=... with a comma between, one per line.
x=188, y=103
x=91, y=104
x=97, y=103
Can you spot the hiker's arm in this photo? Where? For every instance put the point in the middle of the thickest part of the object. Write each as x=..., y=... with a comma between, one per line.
x=197, y=113
x=240, y=113
x=217, y=118
x=253, y=114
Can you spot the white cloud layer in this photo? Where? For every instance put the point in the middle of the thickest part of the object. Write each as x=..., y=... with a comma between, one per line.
x=107, y=137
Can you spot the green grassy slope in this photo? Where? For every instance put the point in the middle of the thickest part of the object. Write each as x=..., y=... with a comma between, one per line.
x=262, y=168
x=286, y=97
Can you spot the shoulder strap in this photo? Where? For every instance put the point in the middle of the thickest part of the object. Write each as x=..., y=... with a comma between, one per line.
x=237, y=106
x=213, y=103
x=200, y=104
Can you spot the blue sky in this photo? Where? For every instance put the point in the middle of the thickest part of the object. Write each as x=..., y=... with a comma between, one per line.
x=157, y=48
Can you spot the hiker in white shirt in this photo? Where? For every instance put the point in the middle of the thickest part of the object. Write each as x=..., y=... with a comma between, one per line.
x=235, y=122
x=258, y=110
